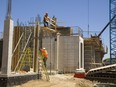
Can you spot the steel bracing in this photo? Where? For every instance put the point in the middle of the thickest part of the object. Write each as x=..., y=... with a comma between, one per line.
x=112, y=12
x=9, y=4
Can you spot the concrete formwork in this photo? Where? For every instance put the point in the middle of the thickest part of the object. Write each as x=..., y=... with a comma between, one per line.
x=94, y=52
x=89, y=56
x=70, y=56
x=50, y=44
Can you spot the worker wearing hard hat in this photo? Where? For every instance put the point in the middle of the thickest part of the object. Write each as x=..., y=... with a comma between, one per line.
x=53, y=25
x=46, y=20
x=45, y=55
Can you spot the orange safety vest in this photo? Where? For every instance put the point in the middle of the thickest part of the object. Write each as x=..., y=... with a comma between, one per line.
x=44, y=53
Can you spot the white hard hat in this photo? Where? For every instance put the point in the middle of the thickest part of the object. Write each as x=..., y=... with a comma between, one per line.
x=44, y=48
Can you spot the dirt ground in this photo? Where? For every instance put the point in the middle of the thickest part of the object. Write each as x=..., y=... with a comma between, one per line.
x=59, y=80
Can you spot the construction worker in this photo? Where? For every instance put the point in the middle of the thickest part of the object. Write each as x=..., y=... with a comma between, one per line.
x=45, y=55
x=54, y=22
x=46, y=20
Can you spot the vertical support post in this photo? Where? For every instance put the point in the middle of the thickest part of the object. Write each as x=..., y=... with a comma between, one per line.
x=7, y=47
x=8, y=14
x=7, y=42
x=79, y=54
x=83, y=59
x=40, y=38
x=110, y=31
x=58, y=44
x=51, y=53
x=36, y=33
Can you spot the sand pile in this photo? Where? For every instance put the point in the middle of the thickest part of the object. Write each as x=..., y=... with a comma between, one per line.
x=59, y=81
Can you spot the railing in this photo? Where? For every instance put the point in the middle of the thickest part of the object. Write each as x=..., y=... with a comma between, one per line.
x=52, y=23
x=77, y=31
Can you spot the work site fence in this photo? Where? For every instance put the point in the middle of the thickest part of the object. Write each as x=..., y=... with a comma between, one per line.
x=76, y=31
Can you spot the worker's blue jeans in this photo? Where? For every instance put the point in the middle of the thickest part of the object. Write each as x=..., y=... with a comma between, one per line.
x=44, y=60
x=45, y=24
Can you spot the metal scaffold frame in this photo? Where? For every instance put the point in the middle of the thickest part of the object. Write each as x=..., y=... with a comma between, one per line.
x=112, y=12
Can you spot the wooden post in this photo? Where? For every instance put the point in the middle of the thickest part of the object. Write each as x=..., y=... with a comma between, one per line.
x=36, y=35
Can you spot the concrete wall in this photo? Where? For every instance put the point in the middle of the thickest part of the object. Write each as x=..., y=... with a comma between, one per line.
x=50, y=44
x=71, y=54
x=89, y=53
x=98, y=58
x=92, y=57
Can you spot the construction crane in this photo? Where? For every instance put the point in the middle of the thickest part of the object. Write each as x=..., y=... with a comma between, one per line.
x=112, y=43
x=107, y=25
x=112, y=12
x=112, y=31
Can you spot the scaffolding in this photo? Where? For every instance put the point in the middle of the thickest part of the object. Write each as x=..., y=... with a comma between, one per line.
x=23, y=39
x=27, y=41
x=94, y=52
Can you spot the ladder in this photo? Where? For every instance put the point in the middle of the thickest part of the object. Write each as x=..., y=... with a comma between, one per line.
x=42, y=69
x=27, y=61
x=53, y=23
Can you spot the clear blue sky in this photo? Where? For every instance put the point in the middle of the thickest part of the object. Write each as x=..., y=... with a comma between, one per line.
x=70, y=12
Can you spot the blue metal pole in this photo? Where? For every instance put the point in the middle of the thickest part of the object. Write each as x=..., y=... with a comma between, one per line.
x=110, y=29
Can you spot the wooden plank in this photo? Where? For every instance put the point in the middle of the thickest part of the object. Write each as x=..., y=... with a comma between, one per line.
x=46, y=29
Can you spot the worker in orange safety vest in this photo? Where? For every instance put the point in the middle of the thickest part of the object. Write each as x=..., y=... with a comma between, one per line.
x=45, y=55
